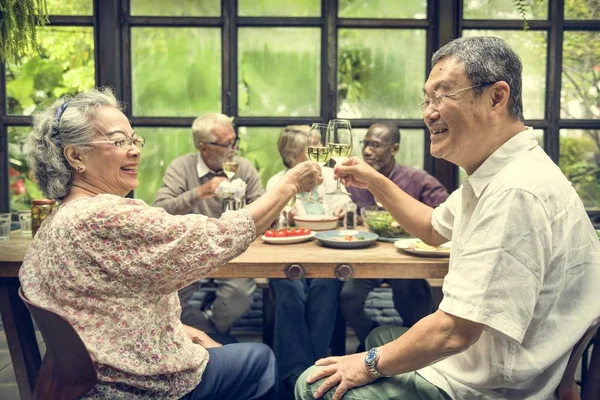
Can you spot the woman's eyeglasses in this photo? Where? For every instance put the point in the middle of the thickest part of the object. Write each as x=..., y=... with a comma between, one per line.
x=138, y=142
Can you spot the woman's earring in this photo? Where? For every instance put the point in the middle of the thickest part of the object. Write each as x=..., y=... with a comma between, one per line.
x=80, y=169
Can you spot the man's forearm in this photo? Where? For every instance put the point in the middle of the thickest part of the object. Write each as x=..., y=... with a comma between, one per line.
x=410, y=213
x=432, y=339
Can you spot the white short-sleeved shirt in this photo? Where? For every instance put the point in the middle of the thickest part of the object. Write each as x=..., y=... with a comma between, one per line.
x=525, y=263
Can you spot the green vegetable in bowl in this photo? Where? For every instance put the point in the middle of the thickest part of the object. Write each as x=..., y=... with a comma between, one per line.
x=383, y=224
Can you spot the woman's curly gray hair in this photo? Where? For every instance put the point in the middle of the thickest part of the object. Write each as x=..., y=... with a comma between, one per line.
x=50, y=168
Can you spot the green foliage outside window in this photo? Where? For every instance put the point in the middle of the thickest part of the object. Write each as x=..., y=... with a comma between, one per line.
x=579, y=161
x=175, y=71
x=64, y=65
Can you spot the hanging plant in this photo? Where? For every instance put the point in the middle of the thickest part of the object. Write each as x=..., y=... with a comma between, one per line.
x=19, y=20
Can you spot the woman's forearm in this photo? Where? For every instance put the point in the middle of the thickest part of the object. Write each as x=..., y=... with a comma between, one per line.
x=267, y=208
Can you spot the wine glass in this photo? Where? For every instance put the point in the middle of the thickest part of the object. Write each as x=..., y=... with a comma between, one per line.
x=339, y=140
x=316, y=148
x=230, y=164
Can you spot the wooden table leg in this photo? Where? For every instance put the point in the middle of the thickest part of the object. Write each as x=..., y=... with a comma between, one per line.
x=20, y=336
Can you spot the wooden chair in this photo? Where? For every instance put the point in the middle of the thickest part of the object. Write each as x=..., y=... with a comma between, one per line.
x=67, y=371
x=567, y=389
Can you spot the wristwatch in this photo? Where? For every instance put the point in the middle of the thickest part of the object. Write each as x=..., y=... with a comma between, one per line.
x=371, y=363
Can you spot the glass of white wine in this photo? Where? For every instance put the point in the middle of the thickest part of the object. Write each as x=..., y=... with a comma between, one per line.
x=339, y=141
x=230, y=164
x=316, y=147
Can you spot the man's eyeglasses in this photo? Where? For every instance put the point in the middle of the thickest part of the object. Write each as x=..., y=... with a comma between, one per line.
x=437, y=99
x=229, y=146
x=138, y=142
x=370, y=143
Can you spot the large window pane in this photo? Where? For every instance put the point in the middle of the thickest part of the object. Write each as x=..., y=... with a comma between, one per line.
x=579, y=161
x=279, y=71
x=259, y=145
x=380, y=73
x=176, y=71
x=383, y=9
x=279, y=8
x=411, y=152
x=71, y=7
x=582, y=9
x=485, y=9
x=162, y=146
x=21, y=186
x=580, y=97
x=179, y=8
x=531, y=47
x=64, y=65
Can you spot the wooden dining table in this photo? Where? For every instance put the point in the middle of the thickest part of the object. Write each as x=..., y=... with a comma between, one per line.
x=309, y=259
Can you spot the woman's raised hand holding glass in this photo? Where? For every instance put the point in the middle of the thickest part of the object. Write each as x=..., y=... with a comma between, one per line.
x=339, y=141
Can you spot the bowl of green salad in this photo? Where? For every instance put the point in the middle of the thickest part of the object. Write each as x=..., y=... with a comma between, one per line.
x=381, y=222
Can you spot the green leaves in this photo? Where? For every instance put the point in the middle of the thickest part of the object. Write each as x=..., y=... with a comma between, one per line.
x=18, y=22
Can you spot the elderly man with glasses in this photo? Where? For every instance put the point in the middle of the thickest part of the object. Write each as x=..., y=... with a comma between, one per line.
x=412, y=297
x=522, y=284
x=189, y=186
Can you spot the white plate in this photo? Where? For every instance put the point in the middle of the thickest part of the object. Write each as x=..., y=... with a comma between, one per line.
x=288, y=240
x=407, y=245
x=332, y=239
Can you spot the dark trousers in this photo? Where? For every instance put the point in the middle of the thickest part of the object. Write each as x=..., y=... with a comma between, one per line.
x=412, y=300
x=305, y=312
x=238, y=371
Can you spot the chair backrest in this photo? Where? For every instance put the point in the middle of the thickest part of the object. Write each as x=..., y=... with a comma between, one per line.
x=67, y=371
x=567, y=389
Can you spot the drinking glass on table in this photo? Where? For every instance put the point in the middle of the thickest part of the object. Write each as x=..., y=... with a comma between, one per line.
x=339, y=141
x=317, y=149
x=230, y=164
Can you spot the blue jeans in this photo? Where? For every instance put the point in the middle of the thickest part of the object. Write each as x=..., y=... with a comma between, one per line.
x=305, y=312
x=238, y=371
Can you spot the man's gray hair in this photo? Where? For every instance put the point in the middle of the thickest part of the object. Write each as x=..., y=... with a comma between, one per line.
x=204, y=124
x=488, y=60
x=292, y=142
x=50, y=135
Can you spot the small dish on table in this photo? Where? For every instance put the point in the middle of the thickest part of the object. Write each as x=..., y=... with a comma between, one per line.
x=346, y=239
x=419, y=248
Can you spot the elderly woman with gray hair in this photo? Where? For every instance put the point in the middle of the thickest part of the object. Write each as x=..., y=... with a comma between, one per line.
x=305, y=309
x=112, y=265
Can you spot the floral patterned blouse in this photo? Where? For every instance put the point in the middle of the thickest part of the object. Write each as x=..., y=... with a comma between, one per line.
x=112, y=267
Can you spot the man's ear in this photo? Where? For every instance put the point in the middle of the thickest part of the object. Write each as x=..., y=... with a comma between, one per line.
x=395, y=148
x=500, y=93
x=74, y=157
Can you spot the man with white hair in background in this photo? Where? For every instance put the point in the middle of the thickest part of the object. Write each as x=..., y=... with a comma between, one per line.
x=189, y=186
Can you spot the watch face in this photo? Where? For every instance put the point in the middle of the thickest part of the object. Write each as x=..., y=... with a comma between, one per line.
x=371, y=356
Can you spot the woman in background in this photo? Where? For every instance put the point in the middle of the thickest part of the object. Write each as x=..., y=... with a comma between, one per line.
x=305, y=309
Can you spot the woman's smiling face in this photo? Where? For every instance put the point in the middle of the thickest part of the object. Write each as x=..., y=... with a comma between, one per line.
x=109, y=168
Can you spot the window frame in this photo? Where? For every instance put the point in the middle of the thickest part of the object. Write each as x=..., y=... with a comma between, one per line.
x=112, y=25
